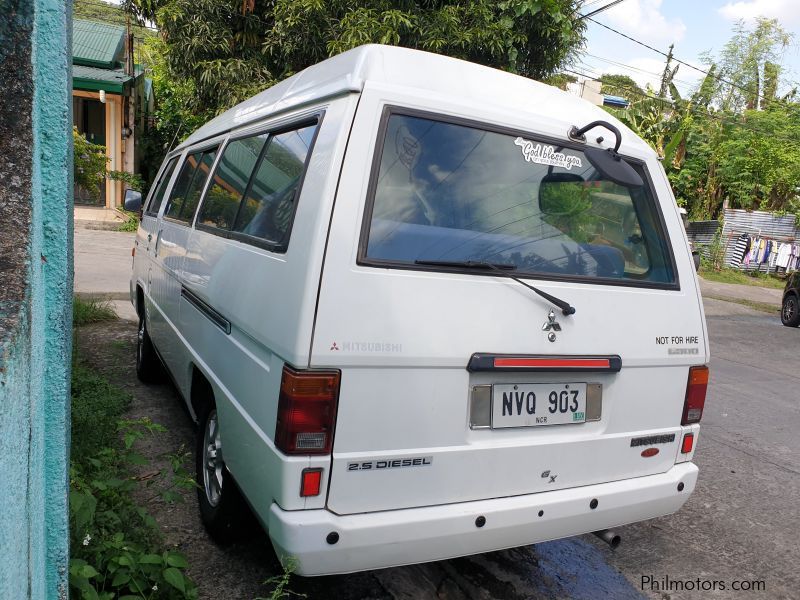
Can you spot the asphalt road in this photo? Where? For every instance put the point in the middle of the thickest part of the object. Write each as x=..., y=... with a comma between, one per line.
x=742, y=522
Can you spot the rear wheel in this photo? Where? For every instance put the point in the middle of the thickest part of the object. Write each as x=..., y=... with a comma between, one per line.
x=148, y=365
x=223, y=511
x=790, y=312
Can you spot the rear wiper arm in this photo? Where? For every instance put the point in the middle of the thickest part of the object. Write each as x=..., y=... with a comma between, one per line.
x=503, y=269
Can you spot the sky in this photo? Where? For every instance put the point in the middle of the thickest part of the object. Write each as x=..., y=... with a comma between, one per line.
x=694, y=26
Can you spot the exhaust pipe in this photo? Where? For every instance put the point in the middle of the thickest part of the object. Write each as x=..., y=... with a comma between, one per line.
x=609, y=537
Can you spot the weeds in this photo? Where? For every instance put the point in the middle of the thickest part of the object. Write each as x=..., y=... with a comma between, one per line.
x=116, y=547
x=280, y=584
x=93, y=310
x=132, y=222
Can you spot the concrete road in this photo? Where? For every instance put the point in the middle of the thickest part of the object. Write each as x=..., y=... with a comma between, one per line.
x=103, y=267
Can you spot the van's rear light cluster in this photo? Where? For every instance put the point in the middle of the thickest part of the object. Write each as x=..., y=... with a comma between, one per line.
x=695, y=395
x=307, y=411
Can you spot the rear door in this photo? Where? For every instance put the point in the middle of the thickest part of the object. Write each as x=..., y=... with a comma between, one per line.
x=458, y=383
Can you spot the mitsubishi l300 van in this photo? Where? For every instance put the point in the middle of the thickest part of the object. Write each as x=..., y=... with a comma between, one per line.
x=420, y=309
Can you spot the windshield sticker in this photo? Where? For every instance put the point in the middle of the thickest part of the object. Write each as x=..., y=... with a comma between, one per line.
x=546, y=155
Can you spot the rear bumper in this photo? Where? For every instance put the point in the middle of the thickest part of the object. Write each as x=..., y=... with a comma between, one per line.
x=398, y=537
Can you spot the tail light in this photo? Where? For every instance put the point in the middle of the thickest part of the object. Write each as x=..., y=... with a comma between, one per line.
x=695, y=395
x=306, y=411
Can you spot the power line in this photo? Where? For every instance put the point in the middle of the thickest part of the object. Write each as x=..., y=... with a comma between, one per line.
x=677, y=60
x=601, y=9
x=693, y=110
x=634, y=69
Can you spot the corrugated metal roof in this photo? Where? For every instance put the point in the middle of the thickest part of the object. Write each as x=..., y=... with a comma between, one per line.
x=92, y=78
x=701, y=233
x=97, y=44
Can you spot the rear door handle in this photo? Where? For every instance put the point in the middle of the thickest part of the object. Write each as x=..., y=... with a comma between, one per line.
x=149, y=237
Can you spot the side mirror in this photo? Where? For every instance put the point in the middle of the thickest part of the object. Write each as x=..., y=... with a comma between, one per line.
x=562, y=194
x=132, y=201
x=696, y=259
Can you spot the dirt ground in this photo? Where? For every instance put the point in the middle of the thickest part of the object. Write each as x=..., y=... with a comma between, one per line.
x=574, y=568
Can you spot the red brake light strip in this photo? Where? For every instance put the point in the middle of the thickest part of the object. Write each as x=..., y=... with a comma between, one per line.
x=548, y=363
x=505, y=362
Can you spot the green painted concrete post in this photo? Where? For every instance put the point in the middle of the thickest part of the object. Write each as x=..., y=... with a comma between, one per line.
x=35, y=295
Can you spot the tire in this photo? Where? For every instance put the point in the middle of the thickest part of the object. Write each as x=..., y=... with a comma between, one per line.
x=225, y=514
x=148, y=366
x=790, y=311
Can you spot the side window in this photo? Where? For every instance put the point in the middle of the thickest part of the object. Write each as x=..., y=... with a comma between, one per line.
x=229, y=182
x=267, y=209
x=191, y=180
x=161, y=188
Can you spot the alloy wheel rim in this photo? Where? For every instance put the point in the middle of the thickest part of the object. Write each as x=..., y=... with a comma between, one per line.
x=212, y=460
x=788, y=309
x=139, y=342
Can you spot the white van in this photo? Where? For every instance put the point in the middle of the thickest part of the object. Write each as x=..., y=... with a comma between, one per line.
x=420, y=309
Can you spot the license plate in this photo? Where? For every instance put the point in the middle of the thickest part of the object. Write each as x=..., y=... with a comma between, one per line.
x=536, y=404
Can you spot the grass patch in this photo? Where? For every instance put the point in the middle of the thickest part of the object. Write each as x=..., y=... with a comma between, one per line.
x=759, y=306
x=727, y=275
x=132, y=222
x=116, y=547
x=96, y=407
x=91, y=311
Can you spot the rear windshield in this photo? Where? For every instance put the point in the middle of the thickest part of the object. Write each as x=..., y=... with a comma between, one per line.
x=453, y=192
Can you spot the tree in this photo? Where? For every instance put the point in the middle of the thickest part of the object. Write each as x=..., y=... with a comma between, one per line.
x=620, y=85
x=229, y=49
x=747, y=62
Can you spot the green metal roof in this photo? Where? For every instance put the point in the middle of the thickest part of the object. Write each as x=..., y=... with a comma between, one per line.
x=94, y=79
x=97, y=44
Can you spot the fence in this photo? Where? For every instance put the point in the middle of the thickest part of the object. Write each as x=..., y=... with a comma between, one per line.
x=735, y=222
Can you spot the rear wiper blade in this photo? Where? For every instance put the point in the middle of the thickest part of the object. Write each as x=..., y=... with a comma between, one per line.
x=501, y=268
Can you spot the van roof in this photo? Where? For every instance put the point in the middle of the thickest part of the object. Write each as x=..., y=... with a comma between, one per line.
x=435, y=74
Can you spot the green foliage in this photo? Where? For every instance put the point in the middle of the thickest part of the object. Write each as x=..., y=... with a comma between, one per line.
x=280, y=584
x=132, y=180
x=748, y=59
x=115, y=545
x=105, y=12
x=131, y=223
x=89, y=164
x=215, y=53
x=752, y=278
x=714, y=258
x=566, y=205
x=620, y=85
x=229, y=49
x=91, y=311
x=96, y=406
x=559, y=80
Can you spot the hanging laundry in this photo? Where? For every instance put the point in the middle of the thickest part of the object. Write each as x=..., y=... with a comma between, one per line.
x=741, y=249
x=784, y=255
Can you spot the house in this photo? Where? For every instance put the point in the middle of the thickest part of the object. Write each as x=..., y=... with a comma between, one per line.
x=111, y=99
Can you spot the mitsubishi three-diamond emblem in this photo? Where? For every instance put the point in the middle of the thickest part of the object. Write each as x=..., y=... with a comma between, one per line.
x=551, y=324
